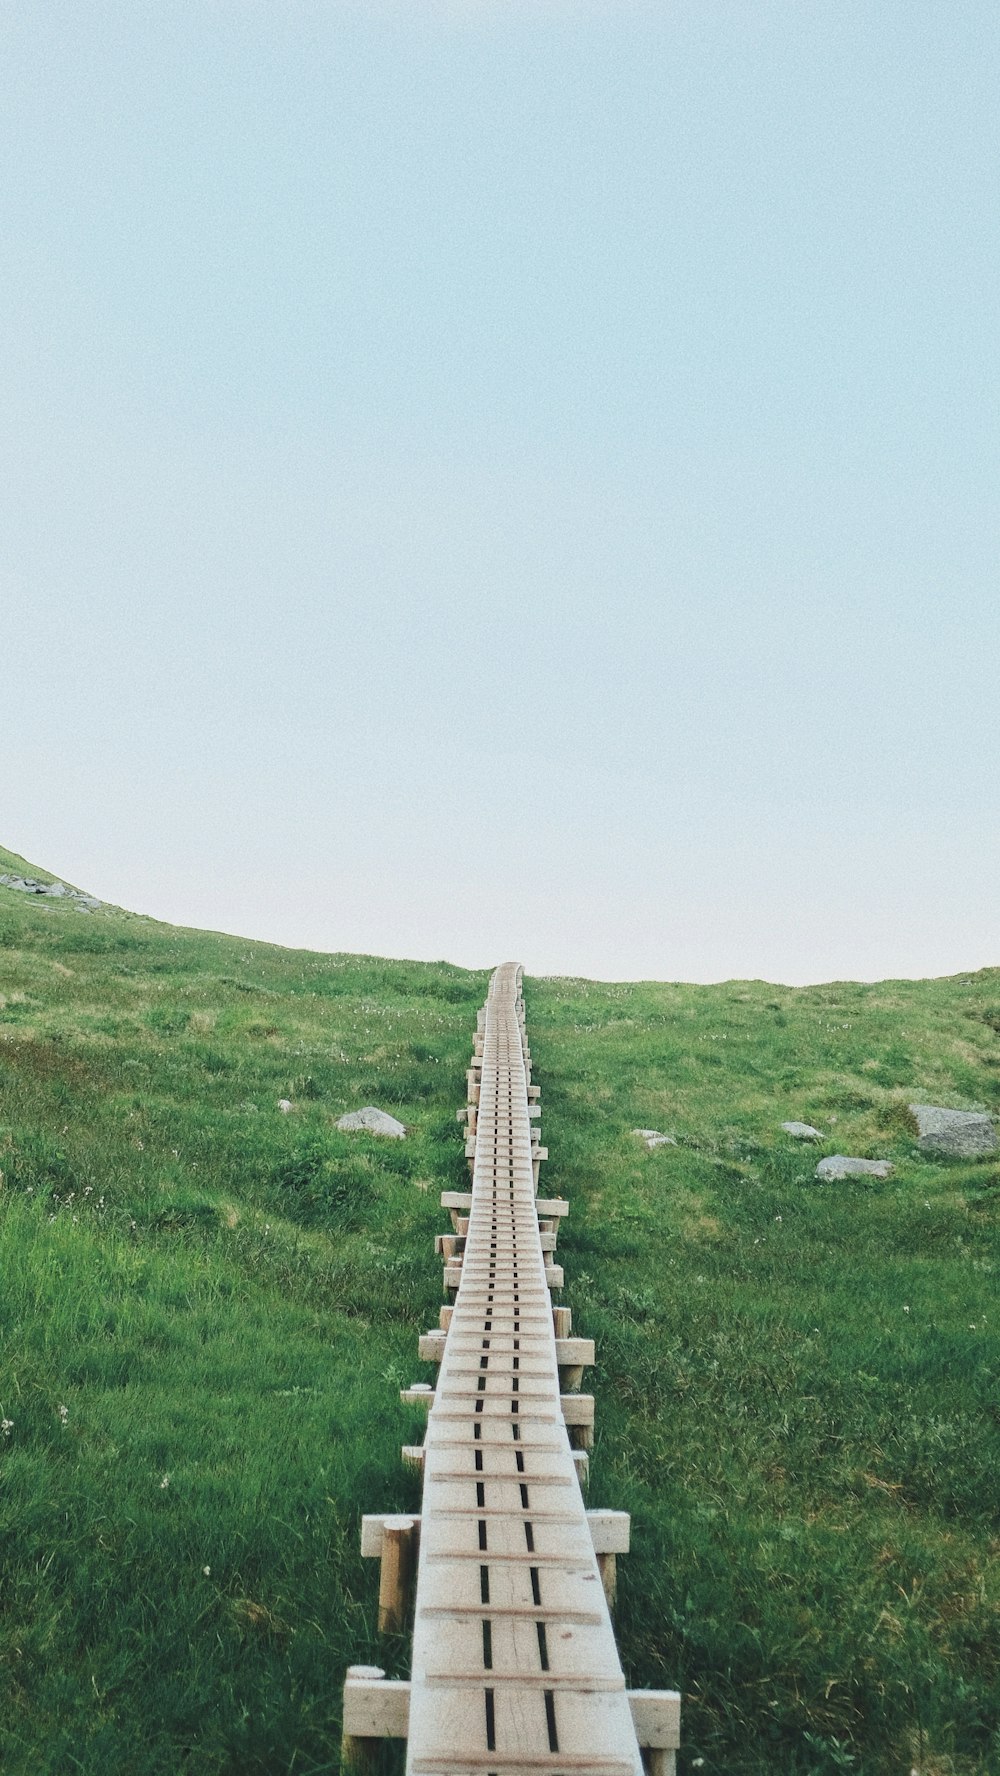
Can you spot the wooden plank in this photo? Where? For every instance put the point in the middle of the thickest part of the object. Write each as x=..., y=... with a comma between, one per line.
x=375, y=1708
x=656, y=1715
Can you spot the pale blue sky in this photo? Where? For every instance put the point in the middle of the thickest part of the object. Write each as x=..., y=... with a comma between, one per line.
x=508, y=479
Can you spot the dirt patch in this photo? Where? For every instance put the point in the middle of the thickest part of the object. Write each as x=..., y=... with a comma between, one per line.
x=46, y=1060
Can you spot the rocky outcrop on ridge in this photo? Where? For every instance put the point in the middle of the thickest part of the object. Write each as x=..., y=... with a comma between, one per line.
x=55, y=891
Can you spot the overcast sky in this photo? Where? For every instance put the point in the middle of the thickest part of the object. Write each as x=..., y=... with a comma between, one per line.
x=508, y=479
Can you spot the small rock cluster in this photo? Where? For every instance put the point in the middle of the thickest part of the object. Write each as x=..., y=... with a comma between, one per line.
x=955, y=1134
x=54, y=890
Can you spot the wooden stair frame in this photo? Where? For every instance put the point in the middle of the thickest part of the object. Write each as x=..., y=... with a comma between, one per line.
x=514, y=1667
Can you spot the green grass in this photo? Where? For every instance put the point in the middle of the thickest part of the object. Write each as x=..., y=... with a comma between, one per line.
x=796, y=1383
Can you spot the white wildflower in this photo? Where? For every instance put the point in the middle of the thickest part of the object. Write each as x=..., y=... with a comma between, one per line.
x=165, y=1482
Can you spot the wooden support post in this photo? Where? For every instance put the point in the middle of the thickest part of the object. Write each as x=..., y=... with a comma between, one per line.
x=449, y=1245
x=608, y=1567
x=395, y=1572
x=358, y=1749
x=444, y=1317
x=420, y=1393
x=656, y=1717
x=459, y=1205
x=573, y=1355
x=562, y=1321
x=413, y=1457
x=373, y=1710
x=578, y=1415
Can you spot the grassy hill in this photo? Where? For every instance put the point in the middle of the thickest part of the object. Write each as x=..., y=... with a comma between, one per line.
x=209, y=1305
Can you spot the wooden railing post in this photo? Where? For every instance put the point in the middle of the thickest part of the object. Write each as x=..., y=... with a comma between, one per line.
x=395, y=1573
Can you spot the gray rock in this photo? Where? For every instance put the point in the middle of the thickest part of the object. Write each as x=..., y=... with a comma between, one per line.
x=837, y=1165
x=55, y=890
x=963, y=1134
x=376, y=1122
x=653, y=1138
x=803, y=1131
x=25, y=884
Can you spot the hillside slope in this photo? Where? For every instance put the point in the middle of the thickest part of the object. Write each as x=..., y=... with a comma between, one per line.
x=209, y=1305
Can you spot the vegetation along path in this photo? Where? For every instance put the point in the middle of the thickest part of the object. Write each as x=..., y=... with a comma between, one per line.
x=796, y=1382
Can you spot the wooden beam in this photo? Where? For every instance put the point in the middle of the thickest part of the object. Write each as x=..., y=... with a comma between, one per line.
x=457, y=1199
x=549, y=1206
x=419, y=1393
x=609, y=1531
x=656, y=1717
x=377, y=1709
x=374, y=1709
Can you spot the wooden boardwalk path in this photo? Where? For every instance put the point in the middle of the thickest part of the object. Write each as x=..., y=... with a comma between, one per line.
x=515, y=1666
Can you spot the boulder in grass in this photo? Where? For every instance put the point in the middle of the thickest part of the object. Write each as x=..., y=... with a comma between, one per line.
x=802, y=1131
x=959, y=1134
x=374, y=1122
x=55, y=890
x=653, y=1138
x=838, y=1165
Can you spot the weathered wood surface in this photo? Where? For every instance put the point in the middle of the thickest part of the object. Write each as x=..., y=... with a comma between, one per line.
x=515, y=1667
